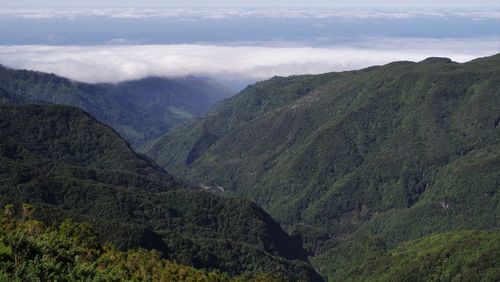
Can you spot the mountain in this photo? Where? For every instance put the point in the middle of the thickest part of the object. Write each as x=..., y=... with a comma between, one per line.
x=68, y=165
x=396, y=152
x=139, y=110
x=9, y=98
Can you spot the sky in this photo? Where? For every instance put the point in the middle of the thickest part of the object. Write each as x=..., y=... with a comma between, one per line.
x=254, y=3
x=112, y=41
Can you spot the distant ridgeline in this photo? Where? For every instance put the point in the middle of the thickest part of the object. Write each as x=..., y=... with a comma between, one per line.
x=139, y=110
x=385, y=155
x=68, y=165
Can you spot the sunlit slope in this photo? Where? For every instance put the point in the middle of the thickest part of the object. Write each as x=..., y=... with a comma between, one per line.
x=339, y=149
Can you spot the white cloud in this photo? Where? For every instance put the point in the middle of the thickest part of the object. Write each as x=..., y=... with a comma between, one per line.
x=113, y=63
x=220, y=13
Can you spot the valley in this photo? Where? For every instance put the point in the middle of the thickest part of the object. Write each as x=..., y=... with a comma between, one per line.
x=389, y=173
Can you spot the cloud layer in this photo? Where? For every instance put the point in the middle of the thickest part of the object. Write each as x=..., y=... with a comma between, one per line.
x=221, y=13
x=113, y=63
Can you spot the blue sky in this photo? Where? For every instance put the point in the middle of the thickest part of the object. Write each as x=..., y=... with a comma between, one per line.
x=253, y=3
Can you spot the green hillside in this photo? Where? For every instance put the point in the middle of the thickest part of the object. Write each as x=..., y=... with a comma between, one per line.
x=455, y=256
x=68, y=165
x=139, y=110
x=397, y=151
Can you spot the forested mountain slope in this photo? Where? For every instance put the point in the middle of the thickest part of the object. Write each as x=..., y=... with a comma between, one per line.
x=139, y=110
x=9, y=98
x=68, y=165
x=460, y=255
x=397, y=151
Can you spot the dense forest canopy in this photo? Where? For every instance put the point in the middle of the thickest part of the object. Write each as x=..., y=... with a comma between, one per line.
x=398, y=151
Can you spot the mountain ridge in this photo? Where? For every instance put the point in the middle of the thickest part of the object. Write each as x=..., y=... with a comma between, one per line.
x=139, y=110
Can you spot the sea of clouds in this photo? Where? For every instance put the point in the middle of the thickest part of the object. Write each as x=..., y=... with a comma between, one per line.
x=113, y=63
x=124, y=59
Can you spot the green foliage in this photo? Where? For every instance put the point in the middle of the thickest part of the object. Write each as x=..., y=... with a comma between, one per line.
x=70, y=166
x=31, y=251
x=139, y=110
x=453, y=256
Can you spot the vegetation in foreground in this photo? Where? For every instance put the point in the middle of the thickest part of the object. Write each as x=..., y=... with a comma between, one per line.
x=32, y=251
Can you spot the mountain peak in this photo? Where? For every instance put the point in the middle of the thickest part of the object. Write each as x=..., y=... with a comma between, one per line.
x=437, y=60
